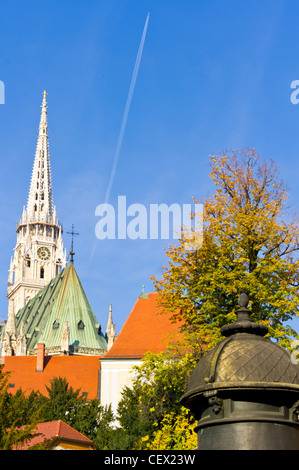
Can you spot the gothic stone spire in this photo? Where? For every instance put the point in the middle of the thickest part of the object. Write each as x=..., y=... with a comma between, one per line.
x=39, y=254
x=40, y=200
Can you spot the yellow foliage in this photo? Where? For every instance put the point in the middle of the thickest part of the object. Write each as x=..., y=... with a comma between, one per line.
x=250, y=244
x=176, y=433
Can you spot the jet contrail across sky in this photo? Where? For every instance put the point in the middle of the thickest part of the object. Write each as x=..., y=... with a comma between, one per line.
x=127, y=109
x=125, y=117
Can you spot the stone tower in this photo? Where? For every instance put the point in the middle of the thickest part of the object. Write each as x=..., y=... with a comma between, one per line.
x=39, y=254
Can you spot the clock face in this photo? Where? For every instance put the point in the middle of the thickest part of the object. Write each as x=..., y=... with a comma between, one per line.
x=43, y=253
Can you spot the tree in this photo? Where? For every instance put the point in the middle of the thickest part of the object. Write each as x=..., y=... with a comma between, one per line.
x=158, y=384
x=11, y=416
x=61, y=398
x=250, y=244
x=86, y=416
x=24, y=409
x=176, y=433
x=93, y=420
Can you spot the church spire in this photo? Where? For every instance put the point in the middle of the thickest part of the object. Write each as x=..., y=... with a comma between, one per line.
x=40, y=201
x=39, y=255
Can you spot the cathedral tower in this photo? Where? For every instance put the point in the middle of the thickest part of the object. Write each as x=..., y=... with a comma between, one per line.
x=39, y=254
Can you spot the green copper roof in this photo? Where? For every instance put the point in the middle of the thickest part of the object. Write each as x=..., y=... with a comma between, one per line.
x=63, y=299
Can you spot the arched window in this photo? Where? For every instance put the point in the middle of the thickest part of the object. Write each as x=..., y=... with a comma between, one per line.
x=27, y=261
x=81, y=325
x=35, y=207
x=42, y=273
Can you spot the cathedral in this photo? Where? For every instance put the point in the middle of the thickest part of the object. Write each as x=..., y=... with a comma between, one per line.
x=46, y=301
x=51, y=329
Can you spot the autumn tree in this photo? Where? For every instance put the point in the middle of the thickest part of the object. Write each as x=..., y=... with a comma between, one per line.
x=250, y=244
x=151, y=406
x=176, y=432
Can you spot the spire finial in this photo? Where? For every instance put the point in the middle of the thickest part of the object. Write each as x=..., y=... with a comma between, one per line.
x=72, y=245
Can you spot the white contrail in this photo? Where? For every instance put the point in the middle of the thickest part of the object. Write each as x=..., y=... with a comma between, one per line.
x=125, y=117
x=127, y=108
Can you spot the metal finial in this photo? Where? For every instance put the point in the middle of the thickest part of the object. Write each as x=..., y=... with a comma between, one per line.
x=72, y=245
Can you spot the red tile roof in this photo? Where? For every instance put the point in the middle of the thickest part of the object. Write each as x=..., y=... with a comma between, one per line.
x=60, y=429
x=80, y=371
x=145, y=329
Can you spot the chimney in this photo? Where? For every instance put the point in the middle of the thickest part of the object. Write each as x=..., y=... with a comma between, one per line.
x=40, y=355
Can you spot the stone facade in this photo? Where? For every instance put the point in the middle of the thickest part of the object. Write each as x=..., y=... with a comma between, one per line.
x=39, y=254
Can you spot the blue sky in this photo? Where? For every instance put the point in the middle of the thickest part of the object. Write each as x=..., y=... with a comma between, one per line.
x=213, y=75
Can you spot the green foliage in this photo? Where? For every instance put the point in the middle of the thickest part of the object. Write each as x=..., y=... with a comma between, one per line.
x=93, y=420
x=62, y=397
x=14, y=414
x=176, y=433
x=250, y=244
x=159, y=383
x=19, y=414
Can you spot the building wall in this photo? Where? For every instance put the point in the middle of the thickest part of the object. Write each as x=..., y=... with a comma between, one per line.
x=115, y=375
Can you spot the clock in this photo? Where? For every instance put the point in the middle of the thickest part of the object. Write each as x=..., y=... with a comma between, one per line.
x=43, y=253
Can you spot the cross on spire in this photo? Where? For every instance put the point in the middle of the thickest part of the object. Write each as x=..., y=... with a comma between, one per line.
x=72, y=246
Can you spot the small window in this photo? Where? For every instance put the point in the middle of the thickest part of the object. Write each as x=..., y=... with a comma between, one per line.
x=55, y=325
x=42, y=273
x=81, y=325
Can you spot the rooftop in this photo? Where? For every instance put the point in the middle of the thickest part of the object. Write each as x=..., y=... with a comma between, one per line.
x=62, y=300
x=146, y=329
x=62, y=432
x=81, y=372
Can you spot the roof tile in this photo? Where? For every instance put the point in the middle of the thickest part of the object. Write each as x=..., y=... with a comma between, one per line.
x=52, y=429
x=81, y=372
x=146, y=329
